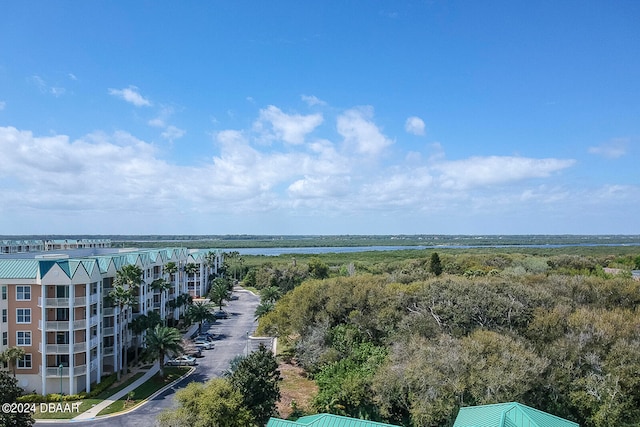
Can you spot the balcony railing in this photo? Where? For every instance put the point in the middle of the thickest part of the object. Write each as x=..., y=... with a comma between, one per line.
x=64, y=302
x=79, y=347
x=64, y=325
x=77, y=370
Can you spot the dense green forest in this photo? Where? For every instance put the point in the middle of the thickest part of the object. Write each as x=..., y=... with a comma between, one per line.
x=408, y=337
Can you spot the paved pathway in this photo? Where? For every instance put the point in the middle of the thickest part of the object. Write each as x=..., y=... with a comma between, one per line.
x=234, y=339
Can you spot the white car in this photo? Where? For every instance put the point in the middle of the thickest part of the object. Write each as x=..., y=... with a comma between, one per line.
x=208, y=345
x=182, y=361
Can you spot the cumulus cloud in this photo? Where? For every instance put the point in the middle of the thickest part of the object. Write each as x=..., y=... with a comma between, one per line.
x=414, y=125
x=290, y=128
x=313, y=101
x=131, y=95
x=117, y=172
x=612, y=149
x=172, y=133
x=492, y=170
x=357, y=128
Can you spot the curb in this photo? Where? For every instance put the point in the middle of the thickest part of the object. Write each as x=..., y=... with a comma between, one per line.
x=116, y=414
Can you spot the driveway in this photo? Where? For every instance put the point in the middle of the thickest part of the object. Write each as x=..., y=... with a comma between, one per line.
x=232, y=341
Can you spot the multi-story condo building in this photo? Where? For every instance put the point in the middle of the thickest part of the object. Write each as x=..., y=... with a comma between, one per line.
x=55, y=307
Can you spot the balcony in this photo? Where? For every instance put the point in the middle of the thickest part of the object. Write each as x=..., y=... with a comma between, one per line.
x=108, y=331
x=79, y=347
x=77, y=370
x=64, y=302
x=64, y=325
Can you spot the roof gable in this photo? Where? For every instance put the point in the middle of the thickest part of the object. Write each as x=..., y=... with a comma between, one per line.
x=510, y=414
x=325, y=420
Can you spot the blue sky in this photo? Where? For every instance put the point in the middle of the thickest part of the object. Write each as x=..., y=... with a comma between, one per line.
x=319, y=117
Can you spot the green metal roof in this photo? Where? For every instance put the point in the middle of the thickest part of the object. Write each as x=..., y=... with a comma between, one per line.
x=325, y=420
x=18, y=269
x=510, y=414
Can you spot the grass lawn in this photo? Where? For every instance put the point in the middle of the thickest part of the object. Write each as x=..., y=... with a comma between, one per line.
x=141, y=393
x=86, y=403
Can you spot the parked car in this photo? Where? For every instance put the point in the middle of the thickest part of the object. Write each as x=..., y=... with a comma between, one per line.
x=220, y=314
x=182, y=361
x=207, y=337
x=195, y=352
x=204, y=343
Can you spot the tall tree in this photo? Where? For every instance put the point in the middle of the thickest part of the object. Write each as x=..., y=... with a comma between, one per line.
x=161, y=286
x=435, y=265
x=199, y=312
x=219, y=292
x=9, y=393
x=126, y=285
x=257, y=378
x=215, y=403
x=163, y=341
x=11, y=356
x=122, y=297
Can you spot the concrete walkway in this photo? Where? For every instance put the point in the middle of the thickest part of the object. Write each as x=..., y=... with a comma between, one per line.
x=94, y=411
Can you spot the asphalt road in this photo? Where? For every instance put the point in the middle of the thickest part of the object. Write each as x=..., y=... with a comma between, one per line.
x=232, y=341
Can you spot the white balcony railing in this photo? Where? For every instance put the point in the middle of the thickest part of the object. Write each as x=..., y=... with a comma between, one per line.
x=64, y=302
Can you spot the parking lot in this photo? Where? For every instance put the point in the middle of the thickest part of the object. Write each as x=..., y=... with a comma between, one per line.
x=232, y=340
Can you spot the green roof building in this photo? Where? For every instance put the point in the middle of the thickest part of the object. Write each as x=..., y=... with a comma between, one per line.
x=508, y=415
x=325, y=420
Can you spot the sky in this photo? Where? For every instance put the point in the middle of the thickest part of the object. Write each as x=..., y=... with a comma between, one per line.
x=319, y=117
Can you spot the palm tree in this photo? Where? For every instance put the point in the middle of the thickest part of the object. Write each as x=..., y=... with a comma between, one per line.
x=163, y=341
x=129, y=277
x=122, y=297
x=200, y=311
x=219, y=292
x=270, y=294
x=263, y=308
x=161, y=286
x=191, y=269
x=12, y=355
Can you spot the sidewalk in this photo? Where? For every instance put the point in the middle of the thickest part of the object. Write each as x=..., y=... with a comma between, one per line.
x=93, y=412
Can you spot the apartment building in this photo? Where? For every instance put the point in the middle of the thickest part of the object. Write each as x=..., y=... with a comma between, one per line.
x=34, y=245
x=55, y=307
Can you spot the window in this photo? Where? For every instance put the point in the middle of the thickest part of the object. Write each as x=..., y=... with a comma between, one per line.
x=25, y=362
x=4, y=315
x=62, y=314
x=23, y=338
x=23, y=315
x=23, y=293
x=4, y=292
x=62, y=337
x=62, y=291
x=5, y=338
x=62, y=359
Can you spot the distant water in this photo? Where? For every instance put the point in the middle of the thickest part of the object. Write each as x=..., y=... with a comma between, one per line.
x=348, y=249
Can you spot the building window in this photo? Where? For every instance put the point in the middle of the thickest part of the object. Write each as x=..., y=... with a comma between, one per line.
x=23, y=338
x=62, y=337
x=5, y=338
x=23, y=315
x=23, y=293
x=25, y=362
x=62, y=291
x=62, y=359
x=4, y=292
x=4, y=315
x=62, y=314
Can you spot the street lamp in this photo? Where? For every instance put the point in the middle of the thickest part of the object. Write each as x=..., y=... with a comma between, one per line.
x=60, y=372
x=247, y=345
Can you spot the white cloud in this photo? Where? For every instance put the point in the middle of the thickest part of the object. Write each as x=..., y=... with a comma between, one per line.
x=414, y=125
x=131, y=95
x=312, y=101
x=72, y=76
x=612, y=149
x=290, y=128
x=357, y=128
x=2, y=105
x=493, y=170
x=172, y=133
